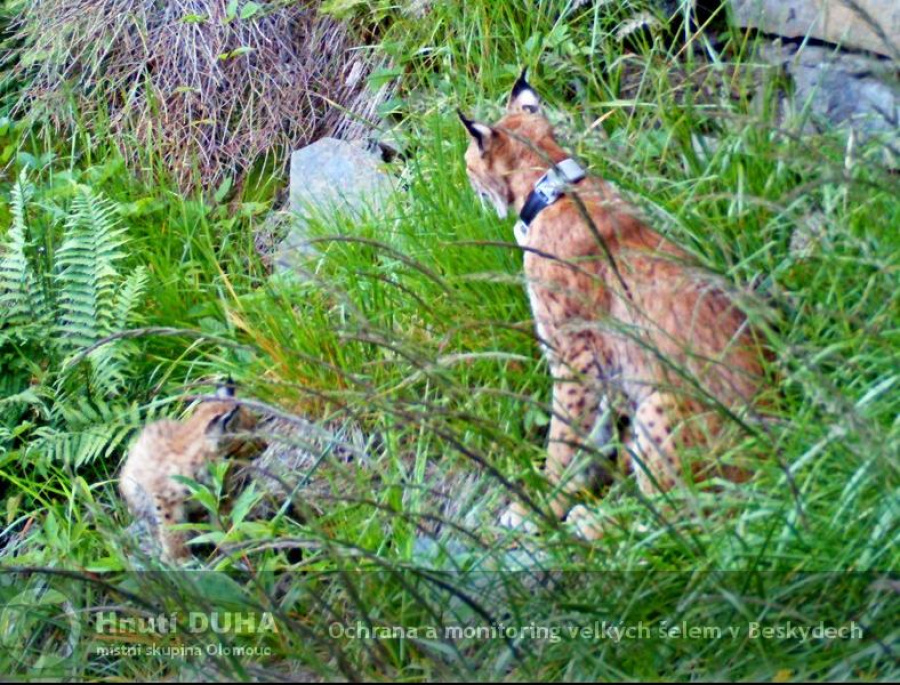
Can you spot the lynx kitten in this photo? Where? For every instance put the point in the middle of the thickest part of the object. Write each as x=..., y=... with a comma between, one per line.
x=170, y=448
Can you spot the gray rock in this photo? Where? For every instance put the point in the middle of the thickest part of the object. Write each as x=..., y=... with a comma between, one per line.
x=305, y=461
x=842, y=89
x=310, y=468
x=450, y=554
x=330, y=176
x=863, y=24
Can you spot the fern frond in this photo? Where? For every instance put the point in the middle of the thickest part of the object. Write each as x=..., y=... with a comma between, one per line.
x=126, y=307
x=22, y=193
x=109, y=367
x=91, y=430
x=108, y=364
x=50, y=312
x=22, y=297
x=87, y=271
x=70, y=446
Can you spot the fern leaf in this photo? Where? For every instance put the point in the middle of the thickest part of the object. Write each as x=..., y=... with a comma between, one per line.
x=87, y=273
x=126, y=308
x=22, y=297
x=91, y=430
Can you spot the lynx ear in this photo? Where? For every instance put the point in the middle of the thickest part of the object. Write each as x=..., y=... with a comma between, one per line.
x=226, y=391
x=523, y=97
x=480, y=133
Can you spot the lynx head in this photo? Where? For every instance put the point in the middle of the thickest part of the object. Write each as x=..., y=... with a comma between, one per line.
x=521, y=140
x=215, y=418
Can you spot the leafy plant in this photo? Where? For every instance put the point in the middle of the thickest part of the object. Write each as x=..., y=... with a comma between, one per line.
x=62, y=295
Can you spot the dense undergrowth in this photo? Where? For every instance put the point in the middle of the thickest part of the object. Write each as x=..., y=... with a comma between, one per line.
x=413, y=326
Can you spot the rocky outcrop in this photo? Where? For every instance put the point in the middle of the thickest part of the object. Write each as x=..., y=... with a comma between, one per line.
x=306, y=465
x=872, y=25
x=840, y=88
x=842, y=57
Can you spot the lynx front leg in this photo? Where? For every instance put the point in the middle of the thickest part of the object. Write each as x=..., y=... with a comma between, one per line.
x=651, y=451
x=587, y=524
x=657, y=432
x=169, y=512
x=581, y=424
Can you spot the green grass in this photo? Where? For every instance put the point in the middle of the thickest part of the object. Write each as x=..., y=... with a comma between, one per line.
x=416, y=328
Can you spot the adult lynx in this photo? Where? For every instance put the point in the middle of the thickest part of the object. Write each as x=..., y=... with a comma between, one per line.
x=632, y=328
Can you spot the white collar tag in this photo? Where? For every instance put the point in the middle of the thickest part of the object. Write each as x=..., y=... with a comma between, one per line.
x=552, y=184
x=547, y=190
x=520, y=230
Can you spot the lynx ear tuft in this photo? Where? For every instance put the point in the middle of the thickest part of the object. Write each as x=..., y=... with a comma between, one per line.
x=521, y=83
x=523, y=97
x=480, y=133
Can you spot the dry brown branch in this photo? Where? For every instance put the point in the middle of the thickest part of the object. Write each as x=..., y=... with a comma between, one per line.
x=207, y=89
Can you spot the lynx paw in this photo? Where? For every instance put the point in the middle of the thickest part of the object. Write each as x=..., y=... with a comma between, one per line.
x=587, y=525
x=516, y=518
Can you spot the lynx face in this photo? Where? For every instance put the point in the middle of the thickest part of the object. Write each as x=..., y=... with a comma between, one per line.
x=168, y=448
x=487, y=183
x=214, y=419
x=494, y=152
